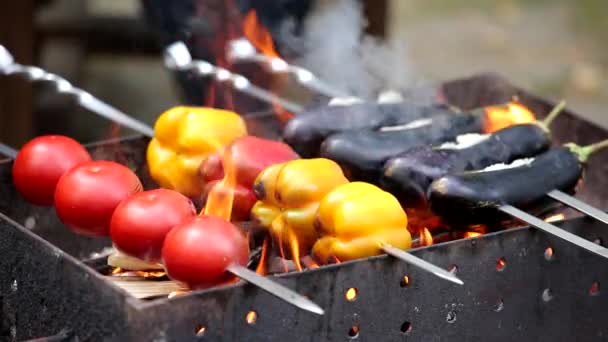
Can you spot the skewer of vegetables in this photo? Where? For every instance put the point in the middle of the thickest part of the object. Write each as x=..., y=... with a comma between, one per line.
x=183, y=138
x=474, y=197
x=288, y=198
x=410, y=174
x=307, y=131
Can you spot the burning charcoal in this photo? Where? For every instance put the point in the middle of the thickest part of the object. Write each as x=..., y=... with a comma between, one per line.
x=184, y=137
x=355, y=220
x=306, y=132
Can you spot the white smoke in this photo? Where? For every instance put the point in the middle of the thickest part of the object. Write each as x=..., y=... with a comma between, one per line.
x=335, y=47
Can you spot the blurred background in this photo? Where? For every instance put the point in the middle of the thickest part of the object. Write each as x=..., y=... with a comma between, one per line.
x=113, y=49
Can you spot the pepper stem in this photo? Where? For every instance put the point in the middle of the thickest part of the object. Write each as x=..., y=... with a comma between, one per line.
x=555, y=112
x=584, y=152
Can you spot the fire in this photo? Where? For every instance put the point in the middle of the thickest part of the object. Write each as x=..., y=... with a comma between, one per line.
x=262, y=269
x=555, y=218
x=120, y=272
x=221, y=196
x=499, y=117
x=251, y=317
x=471, y=234
x=177, y=293
x=426, y=239
x=309, y=263
x=351, y=294
x=261, y=39
x=294, y=249
x=258, y=35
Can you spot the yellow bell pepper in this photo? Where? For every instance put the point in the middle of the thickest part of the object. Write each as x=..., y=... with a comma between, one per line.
x=183, y=138
x=356, y=219
x=289, y=195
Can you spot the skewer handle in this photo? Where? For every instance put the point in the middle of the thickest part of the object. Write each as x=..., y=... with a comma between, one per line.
x=63, y=86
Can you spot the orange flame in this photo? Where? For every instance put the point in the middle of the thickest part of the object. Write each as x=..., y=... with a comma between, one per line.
x=262, y=268
x=261, y=39
x=221, y=196
x=295, y=249
x=499, y=117
x=426, y=239
x=120, y=272
x=471, y=234
x=177, y=293
x=258, y=35
x=555, y=218
x=309, y=263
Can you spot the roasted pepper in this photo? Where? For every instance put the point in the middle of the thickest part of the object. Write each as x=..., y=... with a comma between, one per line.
x=289, y=196
x=355, y=220
x=183, y=138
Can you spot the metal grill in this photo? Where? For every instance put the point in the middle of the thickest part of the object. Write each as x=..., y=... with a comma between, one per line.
x=519, y=284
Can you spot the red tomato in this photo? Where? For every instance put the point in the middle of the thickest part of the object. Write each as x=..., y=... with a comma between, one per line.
x=244, y=199
x=250, y=155
x=87, y=195
x=198, y=251
x=41, y=162
x=141, y=222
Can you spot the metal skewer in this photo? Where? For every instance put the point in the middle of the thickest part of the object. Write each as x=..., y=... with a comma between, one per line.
x=275, y=289
x=420, y=263
x=8, y=66
x=241, y=50
x=177, y=57
x=579, y=205
x=553, y=230
x=8, y=151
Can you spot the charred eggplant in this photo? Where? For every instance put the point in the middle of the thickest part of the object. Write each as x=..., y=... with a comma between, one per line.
x=363, y=153
x=473, y=197
x=308, y=129
x=410, y=174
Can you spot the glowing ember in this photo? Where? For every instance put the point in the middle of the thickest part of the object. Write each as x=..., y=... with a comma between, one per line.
x=120, y=272
x=258, y=35
x=500, y=117
x=426, y=239
x=251, y=317
x=471, y=234
x=309, y=263
x=351, y=294
x=221, y=197
x=555, y=218
x=177, y=293
x=261, y=38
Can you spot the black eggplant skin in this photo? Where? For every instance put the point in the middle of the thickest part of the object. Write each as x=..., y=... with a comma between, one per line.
x=473, y=197
x=409, y=175
x=362, y=154
x=308, y=129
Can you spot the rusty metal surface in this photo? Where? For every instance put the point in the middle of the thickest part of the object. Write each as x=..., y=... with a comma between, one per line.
x=55, y=291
